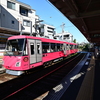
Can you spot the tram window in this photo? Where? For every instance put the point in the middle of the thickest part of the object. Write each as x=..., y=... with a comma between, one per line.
x=58, y=47
x=53, y=47
x=32, y=48
x=71, y=46
x=25, y=52
x=67, y=47
x=16, y=47
x=75, y=46
x=38, y=48
x=61, y=47
x=45, y=47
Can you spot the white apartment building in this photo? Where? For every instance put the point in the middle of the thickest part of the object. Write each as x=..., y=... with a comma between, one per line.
x=47, y=31
x=66, y=36
x=17, y=16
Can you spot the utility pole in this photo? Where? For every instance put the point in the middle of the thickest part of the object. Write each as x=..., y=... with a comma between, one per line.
x=62, y=26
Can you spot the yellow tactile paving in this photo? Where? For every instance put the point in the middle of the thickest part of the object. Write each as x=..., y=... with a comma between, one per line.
x=86, y=90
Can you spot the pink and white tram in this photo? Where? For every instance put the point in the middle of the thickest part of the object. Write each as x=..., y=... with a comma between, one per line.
x=26, y=52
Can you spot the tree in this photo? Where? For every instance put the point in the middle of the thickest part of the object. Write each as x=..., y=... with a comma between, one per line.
x=74, y=40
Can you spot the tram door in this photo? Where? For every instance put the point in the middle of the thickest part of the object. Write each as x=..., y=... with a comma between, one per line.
x=68, y=49
x=64, y=48
x=35, y=51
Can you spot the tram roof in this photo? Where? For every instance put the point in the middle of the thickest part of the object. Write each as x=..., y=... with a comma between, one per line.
x=40, y=38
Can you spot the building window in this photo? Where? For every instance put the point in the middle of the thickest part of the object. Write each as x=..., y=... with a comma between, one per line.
x=10, y=5
x=13, y=22
x=26, y=23
x=50, y=28
x=23, y=11
x=50, y=31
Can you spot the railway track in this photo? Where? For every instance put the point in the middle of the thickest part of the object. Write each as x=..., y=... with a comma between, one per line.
x=33, y=85
x=6, y=77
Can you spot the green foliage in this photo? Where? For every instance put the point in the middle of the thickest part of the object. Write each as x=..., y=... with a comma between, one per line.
x=74, y=40
x=84, y=47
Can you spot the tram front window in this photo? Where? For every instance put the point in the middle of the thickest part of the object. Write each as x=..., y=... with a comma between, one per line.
x=16, y=47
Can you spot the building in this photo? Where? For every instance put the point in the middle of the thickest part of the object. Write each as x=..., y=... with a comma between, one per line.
x=17, y=16
x=66, y=36
x=46, y=31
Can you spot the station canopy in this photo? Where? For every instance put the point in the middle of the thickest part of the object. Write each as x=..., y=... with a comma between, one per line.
x=84, y=14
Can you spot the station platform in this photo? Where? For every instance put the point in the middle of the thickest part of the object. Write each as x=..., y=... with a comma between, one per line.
x=87, y=86
x=82, y=84
x=82, y=87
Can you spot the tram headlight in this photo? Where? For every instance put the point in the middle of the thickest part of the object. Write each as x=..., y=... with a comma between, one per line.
x=18, y=64
x=25, y=59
